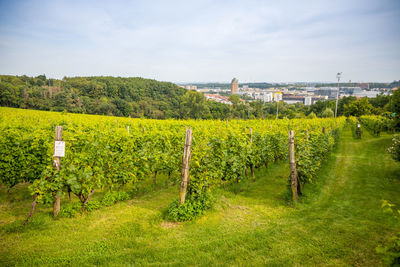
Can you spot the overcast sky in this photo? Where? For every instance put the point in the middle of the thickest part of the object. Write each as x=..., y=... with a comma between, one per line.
x=201, y=41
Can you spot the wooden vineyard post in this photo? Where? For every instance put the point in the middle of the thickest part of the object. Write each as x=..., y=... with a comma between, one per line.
x=185, y=166
x=127, y=129
x=358, y=130
x=56, y=165
x=293, y=170
x=323, y=130
x=59, y=150
x=155, y=178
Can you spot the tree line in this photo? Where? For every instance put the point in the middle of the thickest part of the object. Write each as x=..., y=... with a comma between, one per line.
x=146, y=98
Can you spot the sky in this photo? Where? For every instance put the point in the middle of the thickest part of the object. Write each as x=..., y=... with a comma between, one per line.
x=203, y=41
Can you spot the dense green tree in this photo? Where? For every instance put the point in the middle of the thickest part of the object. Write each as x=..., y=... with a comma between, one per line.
x=257, y=107
x=235, y=99
x=328, y=113
x=394, y=102
x=380, y=101
x=9, y=95
x=238, y=108
x=219, y=110
x=347, y=100
x=194, y=105
x=41, y=80
x=358, y=108
x=320, y=106
x=312, y=115
x=394, y=107
x=123, y=106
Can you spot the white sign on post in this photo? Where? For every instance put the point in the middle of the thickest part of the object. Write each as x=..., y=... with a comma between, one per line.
x=59, y=149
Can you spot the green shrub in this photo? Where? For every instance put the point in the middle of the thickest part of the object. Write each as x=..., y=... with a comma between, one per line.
x=70, y=210
x=395, y=148
x=113, y=197
x=391, y=251
x=93, y=205
x=192, y=208
x=312, y=115
x=327, y=113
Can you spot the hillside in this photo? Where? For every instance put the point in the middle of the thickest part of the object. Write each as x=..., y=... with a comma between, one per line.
x=338, y=222
x=135, y=97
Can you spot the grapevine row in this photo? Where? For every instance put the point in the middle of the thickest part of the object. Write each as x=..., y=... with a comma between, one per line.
x=108, y=153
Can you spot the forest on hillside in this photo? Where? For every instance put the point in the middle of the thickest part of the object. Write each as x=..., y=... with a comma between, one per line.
x=136, y=97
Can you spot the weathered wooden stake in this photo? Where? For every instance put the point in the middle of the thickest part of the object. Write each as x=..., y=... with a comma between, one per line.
x=185, y=166
x=293, y=169
x=358, y=130
x=56, y=165
x=127, y=129
x=155, y=177
x=323, y=130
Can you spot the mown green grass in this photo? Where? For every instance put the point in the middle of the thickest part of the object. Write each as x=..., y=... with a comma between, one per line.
x=337, y=222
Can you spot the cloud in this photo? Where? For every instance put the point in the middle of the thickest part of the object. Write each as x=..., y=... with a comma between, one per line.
x=202, y=40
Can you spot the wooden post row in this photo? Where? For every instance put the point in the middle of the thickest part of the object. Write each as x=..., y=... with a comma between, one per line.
x=185, y=166
x=293, y=169
x=56, y=165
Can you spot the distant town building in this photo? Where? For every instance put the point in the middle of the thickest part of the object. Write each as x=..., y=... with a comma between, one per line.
x=191, y=87
x=268, y=97
x=363, y=86
x=218, y=98
x=307, y=100
x=330, y=92
x=278, y=96
x=350, y=90
x=293, y=99
x=234, y=86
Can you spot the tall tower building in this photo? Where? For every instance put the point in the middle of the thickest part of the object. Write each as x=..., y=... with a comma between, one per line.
x=234, y=86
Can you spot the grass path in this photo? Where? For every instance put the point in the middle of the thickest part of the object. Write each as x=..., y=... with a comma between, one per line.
x=337, y=222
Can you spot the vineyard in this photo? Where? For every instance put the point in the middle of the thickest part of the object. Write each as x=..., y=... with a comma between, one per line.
x=108, y=159
x=107, y=153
